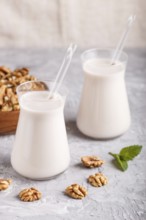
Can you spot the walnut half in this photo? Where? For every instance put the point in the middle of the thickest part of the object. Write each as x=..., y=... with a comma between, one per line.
x=97, y=180
x=76, y=191
x=91, y=161
x=4, y=183
x=30, y=195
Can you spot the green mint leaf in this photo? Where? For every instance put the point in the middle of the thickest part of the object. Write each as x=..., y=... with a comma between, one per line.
x=121, y=164
x=128, y=153
x=114, y=155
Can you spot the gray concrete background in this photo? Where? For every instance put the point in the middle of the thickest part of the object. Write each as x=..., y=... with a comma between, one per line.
x=124, y=198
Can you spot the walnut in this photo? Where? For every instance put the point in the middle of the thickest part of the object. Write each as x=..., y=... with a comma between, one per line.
x=5, y=70
x=30, y=195
x=97, y=180
x=10, y=92
x=91, y=161
x=23, y=71
x=6, y=98
x=39, y=85
x=76, y=191
x=9, y=80
x=4, y=183
x=16, y=107
x=6, y=108
x=14, y=100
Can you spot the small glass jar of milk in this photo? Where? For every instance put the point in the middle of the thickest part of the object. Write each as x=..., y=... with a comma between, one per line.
x=104, y=108
x=40, y=148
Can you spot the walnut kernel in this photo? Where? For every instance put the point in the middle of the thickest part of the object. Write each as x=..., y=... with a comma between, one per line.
x=30, y=195
x=76, y=191
x=4, y=183
x=97, y=180
x=91, y=161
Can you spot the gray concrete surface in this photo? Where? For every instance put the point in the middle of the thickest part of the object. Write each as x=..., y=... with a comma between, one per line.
x=124, y=198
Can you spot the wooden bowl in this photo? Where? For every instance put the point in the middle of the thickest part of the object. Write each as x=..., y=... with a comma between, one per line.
x=8, y=121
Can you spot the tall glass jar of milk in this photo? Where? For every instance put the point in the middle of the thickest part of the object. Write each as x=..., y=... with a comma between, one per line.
x=40, y=149
x=104, y=108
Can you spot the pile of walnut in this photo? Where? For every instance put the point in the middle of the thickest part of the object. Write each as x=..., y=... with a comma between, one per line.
x=98, y=179
x=9, y=80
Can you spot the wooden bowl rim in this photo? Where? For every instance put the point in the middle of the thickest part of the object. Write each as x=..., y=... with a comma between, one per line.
x=9, y=112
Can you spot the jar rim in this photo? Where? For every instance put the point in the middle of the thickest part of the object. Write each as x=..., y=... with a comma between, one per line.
x=111, y=51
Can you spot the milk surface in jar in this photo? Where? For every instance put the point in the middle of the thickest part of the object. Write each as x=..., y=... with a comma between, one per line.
x=40, y=149
x=104, y=109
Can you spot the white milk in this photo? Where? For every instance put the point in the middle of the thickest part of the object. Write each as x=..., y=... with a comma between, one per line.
x=104, y=109
x=41, y=149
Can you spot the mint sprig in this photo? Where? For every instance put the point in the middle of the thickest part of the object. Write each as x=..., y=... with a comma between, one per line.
x=126, y=154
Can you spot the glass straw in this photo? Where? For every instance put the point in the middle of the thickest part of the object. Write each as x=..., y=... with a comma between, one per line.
x=122, y=41
x=63, y=68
